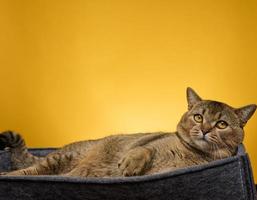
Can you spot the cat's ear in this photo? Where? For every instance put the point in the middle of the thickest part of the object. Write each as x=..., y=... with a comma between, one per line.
x=192, y=98
x=245, y=113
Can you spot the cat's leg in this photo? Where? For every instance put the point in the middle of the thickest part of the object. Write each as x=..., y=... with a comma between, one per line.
x=52, y=164
x=81, y=171
x=33, y=170
x=91, y=165
x=136, y=161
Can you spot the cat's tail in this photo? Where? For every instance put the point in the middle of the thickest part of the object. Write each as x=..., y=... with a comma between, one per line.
x=20, y=156
x=12, y=140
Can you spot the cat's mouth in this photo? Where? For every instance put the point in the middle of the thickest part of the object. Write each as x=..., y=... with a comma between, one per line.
x=205, y=136
x=200, y=135
x=201, y=138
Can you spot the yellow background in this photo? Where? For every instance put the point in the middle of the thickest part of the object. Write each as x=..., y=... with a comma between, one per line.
x=74, y=70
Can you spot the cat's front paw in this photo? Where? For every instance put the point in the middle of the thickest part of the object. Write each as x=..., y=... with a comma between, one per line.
x=135, y=162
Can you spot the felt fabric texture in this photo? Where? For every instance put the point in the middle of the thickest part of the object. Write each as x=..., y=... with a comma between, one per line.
x=229, y=178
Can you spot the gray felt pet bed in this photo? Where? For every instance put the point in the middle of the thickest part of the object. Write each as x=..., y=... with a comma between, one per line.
x=227, y=179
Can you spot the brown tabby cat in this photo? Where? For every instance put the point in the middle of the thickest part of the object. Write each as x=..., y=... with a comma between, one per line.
x=209, y=130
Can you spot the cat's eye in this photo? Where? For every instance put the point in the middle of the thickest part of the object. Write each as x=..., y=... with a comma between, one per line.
x=198, y=118
x=221, y=124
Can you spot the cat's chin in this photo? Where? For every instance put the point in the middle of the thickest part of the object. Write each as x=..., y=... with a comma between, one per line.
x=201, y=143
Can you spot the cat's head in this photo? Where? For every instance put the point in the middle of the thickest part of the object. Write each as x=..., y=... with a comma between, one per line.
x=213, y=127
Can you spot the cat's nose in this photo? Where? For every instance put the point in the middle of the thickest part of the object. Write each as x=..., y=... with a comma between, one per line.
x=205, y=132
x=206, y=128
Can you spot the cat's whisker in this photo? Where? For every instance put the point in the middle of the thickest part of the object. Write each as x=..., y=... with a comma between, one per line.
x=215, y=141
x=195, y=134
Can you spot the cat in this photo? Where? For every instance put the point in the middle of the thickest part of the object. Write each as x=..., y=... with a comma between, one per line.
x=208, y=131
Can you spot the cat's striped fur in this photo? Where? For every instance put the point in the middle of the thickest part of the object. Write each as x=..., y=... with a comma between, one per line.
x=209, y=130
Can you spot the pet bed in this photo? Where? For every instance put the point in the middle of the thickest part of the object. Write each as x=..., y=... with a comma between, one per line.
x=230, y=178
